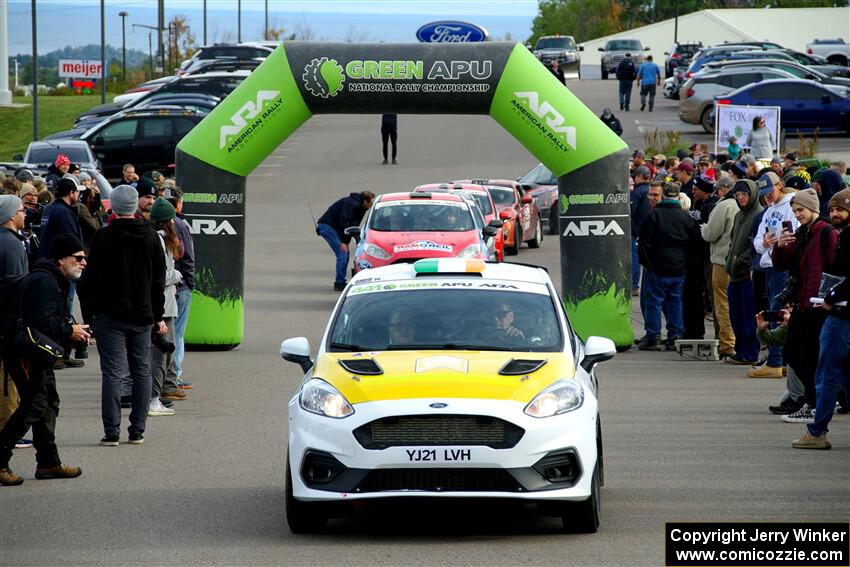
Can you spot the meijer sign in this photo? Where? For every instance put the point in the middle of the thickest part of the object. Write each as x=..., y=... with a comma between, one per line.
x=80, y=69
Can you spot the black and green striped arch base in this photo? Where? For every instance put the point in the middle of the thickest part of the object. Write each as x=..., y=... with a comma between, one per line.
x=503, y=80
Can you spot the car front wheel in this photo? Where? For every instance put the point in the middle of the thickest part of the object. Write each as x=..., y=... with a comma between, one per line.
x=538, y=235
x=705, y=120
x=302, y=517
x=604, y=74
x=583, y=517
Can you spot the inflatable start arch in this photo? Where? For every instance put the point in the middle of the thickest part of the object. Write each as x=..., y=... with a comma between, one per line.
x=504, y=80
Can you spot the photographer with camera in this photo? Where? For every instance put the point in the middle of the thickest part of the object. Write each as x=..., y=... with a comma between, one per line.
x=41, y=310
x=806, y=254
x=124, y=287
x=162, y=351
x=833, y=369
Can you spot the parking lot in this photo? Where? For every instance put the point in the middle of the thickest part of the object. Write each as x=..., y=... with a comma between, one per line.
x=683, y=440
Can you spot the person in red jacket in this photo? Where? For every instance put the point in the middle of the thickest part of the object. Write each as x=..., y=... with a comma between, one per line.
x=806, y=254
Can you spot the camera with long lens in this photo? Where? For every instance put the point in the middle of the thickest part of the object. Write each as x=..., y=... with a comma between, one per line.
x=160, y=342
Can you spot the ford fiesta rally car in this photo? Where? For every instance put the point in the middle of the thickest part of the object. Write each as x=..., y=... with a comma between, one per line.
x=446, y=378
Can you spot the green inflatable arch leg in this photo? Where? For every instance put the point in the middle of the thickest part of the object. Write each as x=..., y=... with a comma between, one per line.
x=503, y=80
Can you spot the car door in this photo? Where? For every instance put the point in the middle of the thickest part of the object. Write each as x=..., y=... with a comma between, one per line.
x=113, y=145
x=819, y=107
x=776, y=94
x=155, y=143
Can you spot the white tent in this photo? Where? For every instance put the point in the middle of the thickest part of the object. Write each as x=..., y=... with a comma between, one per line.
x=790, y=27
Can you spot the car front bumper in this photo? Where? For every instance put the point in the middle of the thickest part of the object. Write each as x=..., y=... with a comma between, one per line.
x=326, y=449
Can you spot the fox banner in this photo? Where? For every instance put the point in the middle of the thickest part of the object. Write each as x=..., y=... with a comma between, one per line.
x=503, y=80
x=736, y=120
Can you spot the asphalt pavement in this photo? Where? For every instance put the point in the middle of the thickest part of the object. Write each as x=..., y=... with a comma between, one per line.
x=683, y=440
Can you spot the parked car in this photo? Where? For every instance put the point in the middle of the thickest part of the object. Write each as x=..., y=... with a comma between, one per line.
x=805, y=105
x=134, y=93
x=836, y=51
x=799, y=71
x=818, y=63
x=43, y=154
x=229, y=51
x=224, y=64
x=197, y=101
x=680, y=56
x=446, y=379
x=696, y=98
x=563, y=49
x=615, y=51
x=146, y=138
x=542, y=185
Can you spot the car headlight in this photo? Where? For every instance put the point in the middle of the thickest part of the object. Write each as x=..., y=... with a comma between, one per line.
x=561, y=397
x=317, y=396
x=470, y=251
x=376, y=252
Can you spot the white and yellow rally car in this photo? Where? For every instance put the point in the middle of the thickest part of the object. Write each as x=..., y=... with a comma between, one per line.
x=449, y=378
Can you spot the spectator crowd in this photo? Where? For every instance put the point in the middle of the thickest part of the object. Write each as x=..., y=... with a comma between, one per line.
x=127, y=263
x=761, y=250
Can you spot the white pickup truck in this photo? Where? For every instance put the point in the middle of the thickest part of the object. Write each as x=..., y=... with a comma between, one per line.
x=835, y=51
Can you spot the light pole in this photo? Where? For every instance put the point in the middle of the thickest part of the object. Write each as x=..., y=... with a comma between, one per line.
x=238, y=21
x=150, y=47
x=123, y=47
x=102, y=52
x=266, y=26
x=205, y=22
x=34, y=74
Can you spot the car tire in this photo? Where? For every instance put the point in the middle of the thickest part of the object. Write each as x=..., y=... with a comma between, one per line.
x=604, y=74
x=538, y=235
x=583, y=517
x=302, y=517
x=705, y=120
x=553, y=219
x=514, y=250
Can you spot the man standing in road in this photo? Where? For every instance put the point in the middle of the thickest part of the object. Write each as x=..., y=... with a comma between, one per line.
x=389, y=133
x=649, y=77
x=626, y=73
x=124, y=287
x=331, y=226
x=42, y=303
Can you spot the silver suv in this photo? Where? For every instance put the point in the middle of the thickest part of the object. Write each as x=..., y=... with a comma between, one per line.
x=615, y=51
x=696, y=97
x=563, y=49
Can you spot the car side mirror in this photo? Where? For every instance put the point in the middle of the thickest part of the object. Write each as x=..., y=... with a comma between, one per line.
x=505, y=215
x=297, y=350
x=826, y=99
x=581, y=48
x=489, y=231
x=353, y=231
x=600, y=49
x=496, y=223
x=646, y=48
x=98, y=141
x=810, y=76
x=526, y=199
x=596, y=350
x=17, y=157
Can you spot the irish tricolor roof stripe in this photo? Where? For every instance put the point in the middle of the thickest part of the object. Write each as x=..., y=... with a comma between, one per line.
x=448, y=265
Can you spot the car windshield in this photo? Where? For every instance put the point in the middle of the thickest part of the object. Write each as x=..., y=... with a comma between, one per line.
x=540, y=175
x=389, y=317
x=421, y=216
x=556, y=43
x=47, y=154
x=483, y=202
x=501, y=195
x=623, y=45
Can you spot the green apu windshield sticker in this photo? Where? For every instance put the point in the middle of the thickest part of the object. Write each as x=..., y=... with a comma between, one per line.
x=252, y=121
x=546, y=118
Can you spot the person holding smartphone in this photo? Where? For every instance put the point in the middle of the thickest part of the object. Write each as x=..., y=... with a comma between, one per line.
x=777, y=215
x=42, y=301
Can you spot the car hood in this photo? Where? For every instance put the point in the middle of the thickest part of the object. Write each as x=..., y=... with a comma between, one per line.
x=441, y=374
x=415, y=243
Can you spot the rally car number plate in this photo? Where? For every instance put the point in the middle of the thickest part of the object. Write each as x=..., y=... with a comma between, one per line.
x=438, y=455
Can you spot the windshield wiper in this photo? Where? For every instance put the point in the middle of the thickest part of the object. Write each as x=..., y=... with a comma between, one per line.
x=346, y=346
x=447, y=346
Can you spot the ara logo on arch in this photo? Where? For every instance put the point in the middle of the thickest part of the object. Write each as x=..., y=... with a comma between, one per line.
x=593, y=228
x=249, y=111
x=554, y=119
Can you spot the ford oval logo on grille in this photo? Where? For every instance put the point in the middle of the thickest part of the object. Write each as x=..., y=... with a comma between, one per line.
x=438, y=405
x=450, y=32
